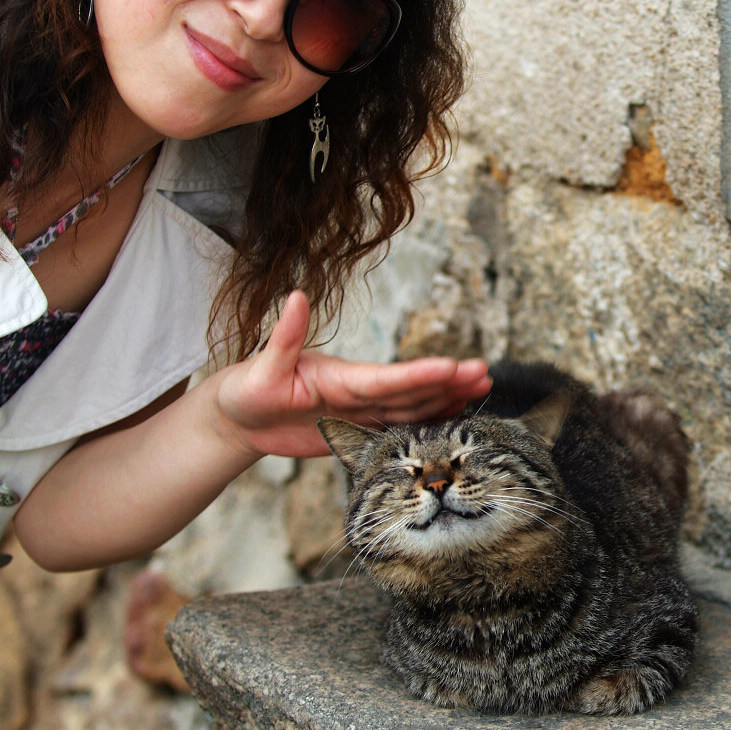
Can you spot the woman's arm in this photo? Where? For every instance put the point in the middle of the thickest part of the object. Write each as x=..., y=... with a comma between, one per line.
x=124, y=493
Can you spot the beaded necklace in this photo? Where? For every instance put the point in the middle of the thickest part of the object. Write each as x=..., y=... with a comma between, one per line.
x=9, y=223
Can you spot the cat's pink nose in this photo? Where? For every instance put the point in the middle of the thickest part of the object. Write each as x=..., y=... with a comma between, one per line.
x=436, y=483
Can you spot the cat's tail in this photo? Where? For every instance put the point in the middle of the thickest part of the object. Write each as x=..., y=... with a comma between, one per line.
x=651, y=431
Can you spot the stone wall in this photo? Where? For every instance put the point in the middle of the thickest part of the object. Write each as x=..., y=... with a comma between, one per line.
x=580, y=221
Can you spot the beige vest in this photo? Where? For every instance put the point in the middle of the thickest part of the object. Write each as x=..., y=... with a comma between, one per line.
x=144, y=331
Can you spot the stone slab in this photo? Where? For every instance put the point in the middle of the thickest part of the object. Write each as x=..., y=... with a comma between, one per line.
x=309, y=657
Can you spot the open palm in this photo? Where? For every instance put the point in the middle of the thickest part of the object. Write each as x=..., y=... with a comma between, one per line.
x=275, y=397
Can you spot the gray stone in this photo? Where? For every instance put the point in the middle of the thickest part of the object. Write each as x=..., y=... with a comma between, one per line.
x=309, y=658
x=238, y=543
x=704, y=578
x=555, y=81
x=716, y=486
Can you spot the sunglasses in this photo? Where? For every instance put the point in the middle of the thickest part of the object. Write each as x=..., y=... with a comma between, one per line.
x=337, y=37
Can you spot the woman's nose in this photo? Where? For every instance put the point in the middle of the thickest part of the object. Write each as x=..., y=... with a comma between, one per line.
x=262, y=19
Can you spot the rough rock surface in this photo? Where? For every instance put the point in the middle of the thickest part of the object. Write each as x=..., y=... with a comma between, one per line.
x=309, y=658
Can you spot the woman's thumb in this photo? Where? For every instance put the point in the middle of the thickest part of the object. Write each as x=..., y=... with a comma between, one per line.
x=290, y=333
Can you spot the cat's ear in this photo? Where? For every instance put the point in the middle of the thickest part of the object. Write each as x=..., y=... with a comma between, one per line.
x=347, y=441
x=547, y=417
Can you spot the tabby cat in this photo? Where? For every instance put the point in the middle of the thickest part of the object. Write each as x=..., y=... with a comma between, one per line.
x=529, y=546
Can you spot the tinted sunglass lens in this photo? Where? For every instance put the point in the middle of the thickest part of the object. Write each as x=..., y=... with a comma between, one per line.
x=339, y=35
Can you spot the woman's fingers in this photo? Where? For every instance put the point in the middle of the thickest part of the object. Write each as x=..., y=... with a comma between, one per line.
x=374, y=381
x=400, y=385
x=288, y=337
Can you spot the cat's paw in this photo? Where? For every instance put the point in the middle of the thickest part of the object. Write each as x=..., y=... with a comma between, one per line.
x=621, y=693
x=436, y=693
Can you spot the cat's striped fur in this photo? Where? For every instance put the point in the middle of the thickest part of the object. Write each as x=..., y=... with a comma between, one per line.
x=530, y=548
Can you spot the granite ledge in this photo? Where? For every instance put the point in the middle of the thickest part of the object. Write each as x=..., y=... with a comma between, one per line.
x=308, y=657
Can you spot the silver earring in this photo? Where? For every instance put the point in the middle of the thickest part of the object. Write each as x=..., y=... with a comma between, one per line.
x=86, y=13
x=320, y=144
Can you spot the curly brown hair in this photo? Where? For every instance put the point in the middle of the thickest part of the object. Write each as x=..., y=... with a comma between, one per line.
x=297, y=235
x=52, y=78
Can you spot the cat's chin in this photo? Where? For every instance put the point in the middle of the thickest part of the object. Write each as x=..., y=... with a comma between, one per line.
x=449, y=534
x=446, y=518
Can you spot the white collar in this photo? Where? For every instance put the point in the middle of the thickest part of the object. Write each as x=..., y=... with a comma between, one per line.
x=219, y=162
x=22, y=300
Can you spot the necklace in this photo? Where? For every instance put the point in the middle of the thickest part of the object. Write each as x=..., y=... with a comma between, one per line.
x=31, y=250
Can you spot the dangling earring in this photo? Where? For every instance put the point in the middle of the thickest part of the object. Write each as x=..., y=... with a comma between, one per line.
x=86, y=14
x=319, y=144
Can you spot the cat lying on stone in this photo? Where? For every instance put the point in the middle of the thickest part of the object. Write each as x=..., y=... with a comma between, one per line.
x=529, y=546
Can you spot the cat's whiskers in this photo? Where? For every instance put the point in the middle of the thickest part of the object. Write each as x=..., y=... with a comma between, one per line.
x=372, y=520
x=361, y=528
x=548, y=493
x=509, y=505
x=357, y=561
x=387, y=538
x=384, y=537
x=570, y=516
x=510, y=511
x=366, y=551
x=482, y=405
x=532, y=503
x=359, y=531
x=323, y=566
x=373, y=516
x=342, y=542
x=359, y=566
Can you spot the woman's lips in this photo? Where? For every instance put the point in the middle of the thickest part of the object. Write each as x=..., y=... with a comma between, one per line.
x=218, y=63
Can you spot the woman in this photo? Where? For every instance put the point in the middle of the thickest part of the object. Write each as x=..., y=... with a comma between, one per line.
x=299, y=118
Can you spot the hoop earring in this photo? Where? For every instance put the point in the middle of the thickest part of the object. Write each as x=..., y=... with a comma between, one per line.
x=86, y=14
x=320, y=144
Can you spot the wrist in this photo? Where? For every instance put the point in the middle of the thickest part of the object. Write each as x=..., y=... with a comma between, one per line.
x=224, y=426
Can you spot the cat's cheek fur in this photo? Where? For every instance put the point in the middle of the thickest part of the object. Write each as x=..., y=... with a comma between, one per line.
x=399, y=577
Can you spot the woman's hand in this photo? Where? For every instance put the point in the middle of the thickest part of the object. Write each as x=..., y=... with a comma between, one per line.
x=273, y=399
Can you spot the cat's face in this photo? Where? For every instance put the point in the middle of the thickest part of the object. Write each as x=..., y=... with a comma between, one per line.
x=444, y=492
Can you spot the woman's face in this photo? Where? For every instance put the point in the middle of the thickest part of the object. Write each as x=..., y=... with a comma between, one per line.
x=188, y=68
